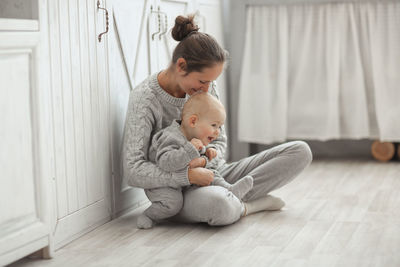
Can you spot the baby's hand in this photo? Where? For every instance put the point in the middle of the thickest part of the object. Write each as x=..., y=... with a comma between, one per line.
x=197, y=143
x=211, y=153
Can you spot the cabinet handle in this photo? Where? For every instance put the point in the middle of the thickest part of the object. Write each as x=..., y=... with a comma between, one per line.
x=159, y=22
x=106, y=11
x=166, y=25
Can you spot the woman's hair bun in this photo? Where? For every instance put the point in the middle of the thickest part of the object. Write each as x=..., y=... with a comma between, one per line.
x=183, y=27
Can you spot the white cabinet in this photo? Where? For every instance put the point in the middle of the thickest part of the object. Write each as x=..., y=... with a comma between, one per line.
x=129, y=44
x=71, y=83
x=80, y=114
x=140, y=43
x=25, y=123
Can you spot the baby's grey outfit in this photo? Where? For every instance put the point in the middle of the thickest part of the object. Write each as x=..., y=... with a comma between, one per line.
x=172, y=152
x=151, y=109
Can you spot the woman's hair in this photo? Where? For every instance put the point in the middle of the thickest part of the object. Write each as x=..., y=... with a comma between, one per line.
x=200, y=50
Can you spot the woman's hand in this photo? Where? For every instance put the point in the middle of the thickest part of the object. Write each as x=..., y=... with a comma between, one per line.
x=200, y=176
x=197, y=162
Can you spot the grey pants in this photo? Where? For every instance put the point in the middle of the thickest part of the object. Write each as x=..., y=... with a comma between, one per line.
x=215, y=205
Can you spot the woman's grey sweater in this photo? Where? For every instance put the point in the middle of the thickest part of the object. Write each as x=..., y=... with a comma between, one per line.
x=151, y=109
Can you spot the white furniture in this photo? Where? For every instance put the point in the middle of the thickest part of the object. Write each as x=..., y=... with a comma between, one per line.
x=25, y=155
x=61, y=144
x=80, y=112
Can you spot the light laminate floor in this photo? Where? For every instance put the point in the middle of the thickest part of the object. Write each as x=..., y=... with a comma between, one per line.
x=338, y=213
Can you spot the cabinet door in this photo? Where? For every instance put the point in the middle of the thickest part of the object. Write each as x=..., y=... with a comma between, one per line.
x=81, y=118
x=165, y=46
x=130, y=46
x=24, y=158
x=209, y=17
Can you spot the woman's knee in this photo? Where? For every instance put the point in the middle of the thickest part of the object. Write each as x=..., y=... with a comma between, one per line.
x=302, y=152
x=214, y=205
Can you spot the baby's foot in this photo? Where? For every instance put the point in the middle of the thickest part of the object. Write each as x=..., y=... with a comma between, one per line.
x=144, y=222
x=242, y=187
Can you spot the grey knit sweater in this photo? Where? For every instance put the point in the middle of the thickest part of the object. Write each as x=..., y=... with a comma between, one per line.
x=170, y=149
x=151, y=109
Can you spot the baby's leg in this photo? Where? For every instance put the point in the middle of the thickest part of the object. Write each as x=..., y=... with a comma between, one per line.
x=239, y=189
x=242, y=186
x=144, y=222
x=166, y=202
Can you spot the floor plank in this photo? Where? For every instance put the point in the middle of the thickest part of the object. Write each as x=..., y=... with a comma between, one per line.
x=338, y=213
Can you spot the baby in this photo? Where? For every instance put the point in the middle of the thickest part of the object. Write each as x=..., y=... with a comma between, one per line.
x=182, y=145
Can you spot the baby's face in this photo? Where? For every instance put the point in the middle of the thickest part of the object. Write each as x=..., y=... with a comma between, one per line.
x=209, y=126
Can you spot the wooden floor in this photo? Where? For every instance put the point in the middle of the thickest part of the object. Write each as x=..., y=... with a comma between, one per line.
x=338, y=213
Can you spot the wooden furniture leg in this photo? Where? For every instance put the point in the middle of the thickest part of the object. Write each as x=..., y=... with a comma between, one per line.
x=383, y=151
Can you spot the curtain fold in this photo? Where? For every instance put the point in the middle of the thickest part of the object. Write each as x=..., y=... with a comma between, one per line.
x=321, y=71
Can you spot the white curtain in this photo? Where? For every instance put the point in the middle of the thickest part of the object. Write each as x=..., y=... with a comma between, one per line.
x=321, y=71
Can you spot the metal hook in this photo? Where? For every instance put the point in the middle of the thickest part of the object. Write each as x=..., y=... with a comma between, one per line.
x=98, y=7
x=166, y=25
x=159, y=22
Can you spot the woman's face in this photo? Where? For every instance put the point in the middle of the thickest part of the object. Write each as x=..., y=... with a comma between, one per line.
x=199, y=81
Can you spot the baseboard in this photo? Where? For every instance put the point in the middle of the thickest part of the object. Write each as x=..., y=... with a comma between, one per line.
x=81, y=222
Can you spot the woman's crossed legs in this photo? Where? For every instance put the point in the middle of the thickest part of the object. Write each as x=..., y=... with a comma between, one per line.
x=270, y=169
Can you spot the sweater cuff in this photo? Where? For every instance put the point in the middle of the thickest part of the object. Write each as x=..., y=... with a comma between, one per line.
x=212, y=146
x=191, y=151
x=182, y=177
x=207, y=162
